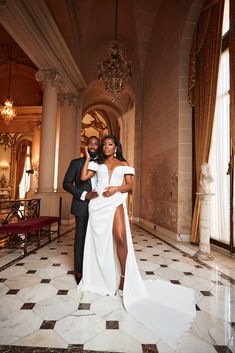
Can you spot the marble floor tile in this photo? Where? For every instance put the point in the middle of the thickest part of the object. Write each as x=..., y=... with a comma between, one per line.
x=56, y=307
x=43, y=338
x=37, y=264
x=193, y=344
x=197, y=283
x=160, y=259
x=64, y=282
x=81, y=318
x=107, y=340
x=210, y=275
x=37, y=293
x=147, y=266
x=218, y=308
x=231, y=344
x=181, y=266
x=51, y=272
x=137, y=331
x=211, y=329
x=79, y=329
x=9, y=304
x=169, y=273
x=22, y=281
x=3, y=289
x=17, y=325
x=104, y=306
x=13, y=271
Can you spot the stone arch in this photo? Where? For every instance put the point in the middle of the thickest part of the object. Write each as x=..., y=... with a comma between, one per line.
x=121, y=114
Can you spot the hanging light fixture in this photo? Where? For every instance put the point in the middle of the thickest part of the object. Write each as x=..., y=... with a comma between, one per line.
x=7, y=110
x=114, y=71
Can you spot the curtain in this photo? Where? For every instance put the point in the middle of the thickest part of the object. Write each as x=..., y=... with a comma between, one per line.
x=20, y=160
x=232, y=88
x=205, y=55
x=220, y=156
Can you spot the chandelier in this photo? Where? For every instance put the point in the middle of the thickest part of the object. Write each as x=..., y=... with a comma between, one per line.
x=7, y=110
x=114, y=71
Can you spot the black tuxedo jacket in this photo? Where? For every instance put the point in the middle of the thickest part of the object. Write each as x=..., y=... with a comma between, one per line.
x=73, y=184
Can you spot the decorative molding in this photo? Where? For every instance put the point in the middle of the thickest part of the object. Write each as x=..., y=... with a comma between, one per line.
x=7, y=140
x=58, y=82
x=44, y=75
x=68, y=99
x=35, y=125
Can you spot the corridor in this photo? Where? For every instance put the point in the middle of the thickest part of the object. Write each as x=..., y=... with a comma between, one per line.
x=41, y=310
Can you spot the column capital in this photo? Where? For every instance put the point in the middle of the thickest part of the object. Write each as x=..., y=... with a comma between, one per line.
x=35, y=125
x=43, y=75
x=68, y=99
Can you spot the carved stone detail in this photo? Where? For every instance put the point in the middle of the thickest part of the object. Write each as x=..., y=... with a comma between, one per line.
x=35, y=125
x=58, y=82
x=68, y=99
x=44, y=75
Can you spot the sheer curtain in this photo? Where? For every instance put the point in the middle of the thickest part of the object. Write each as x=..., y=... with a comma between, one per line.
x=220, y=156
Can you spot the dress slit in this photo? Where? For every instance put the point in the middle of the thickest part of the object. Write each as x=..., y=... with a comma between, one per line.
x=164, y=308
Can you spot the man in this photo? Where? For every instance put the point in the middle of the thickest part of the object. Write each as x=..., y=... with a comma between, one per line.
x=82, y=192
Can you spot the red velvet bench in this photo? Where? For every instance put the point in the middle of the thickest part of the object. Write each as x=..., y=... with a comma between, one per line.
x=28, y=226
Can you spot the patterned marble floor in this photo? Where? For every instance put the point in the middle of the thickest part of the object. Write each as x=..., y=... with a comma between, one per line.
x=41, y=310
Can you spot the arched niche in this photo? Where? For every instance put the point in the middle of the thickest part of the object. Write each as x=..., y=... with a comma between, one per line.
x=120, y=115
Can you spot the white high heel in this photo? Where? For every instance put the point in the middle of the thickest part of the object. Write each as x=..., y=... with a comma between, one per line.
x=120, y=292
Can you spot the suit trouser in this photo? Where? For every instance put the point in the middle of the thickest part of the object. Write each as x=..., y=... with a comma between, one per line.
x=79, y=241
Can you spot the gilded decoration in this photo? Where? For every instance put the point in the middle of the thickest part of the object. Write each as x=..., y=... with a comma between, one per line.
x=7, y=140
x=35, y=125
x=94, y=123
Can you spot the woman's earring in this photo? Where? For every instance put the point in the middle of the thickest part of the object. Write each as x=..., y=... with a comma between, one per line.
x=115, y=153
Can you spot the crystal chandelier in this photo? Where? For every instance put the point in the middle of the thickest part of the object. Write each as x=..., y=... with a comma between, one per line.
x=7, y=110
x=114, y=71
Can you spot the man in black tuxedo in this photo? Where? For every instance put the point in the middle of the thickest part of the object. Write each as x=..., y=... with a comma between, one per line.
x=82, y=192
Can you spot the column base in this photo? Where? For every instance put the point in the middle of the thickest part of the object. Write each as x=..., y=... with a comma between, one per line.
x=66, y=217
x=49, y=204
x=204, y=256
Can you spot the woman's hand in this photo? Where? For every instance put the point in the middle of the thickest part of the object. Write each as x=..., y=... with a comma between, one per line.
x=87, y=153
x=110, y=191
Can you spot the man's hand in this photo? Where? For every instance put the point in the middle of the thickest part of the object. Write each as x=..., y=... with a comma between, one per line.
x=91, y=195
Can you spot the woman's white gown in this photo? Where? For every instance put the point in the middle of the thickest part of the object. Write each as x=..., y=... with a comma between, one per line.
x=164, y=308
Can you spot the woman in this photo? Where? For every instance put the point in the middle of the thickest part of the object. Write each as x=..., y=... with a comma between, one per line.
x=109, y=260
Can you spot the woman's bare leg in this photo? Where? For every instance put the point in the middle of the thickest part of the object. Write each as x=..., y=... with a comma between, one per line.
x=119, y=233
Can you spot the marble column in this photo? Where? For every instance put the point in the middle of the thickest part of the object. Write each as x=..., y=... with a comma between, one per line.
x=205, y=227
x=52, y=82
x=67, y=147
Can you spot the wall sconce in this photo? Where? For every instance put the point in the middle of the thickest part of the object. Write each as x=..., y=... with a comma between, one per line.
x=4, y=166
x=35, y=164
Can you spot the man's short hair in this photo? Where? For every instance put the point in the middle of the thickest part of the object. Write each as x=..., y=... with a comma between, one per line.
x=92, y=137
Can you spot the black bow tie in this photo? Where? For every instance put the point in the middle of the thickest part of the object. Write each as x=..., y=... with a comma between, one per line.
x=93, y=159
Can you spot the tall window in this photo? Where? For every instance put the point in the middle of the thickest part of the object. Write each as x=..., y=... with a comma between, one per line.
x=220, y=148
x=25, y=181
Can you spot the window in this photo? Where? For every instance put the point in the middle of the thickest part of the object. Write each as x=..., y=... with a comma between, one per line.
x=25, y=181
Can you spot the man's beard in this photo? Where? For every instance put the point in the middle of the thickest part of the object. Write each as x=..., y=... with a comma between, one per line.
x=92, y=154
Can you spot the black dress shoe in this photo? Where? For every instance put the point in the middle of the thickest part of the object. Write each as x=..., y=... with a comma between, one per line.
x=78, y=277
